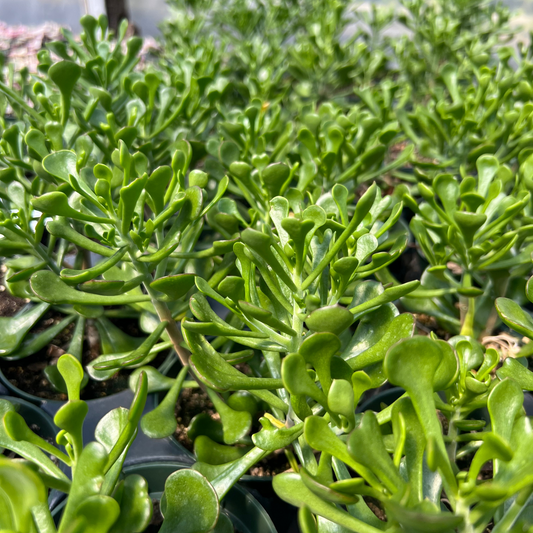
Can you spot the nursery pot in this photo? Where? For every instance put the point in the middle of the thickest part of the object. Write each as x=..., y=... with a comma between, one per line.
x=46, y=429
x=387, y=396
x=245, y=512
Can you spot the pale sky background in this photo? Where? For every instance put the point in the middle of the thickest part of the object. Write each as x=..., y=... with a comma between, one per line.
x=147, y=14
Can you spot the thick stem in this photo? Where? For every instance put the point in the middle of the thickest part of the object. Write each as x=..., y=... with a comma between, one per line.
x=467, y=319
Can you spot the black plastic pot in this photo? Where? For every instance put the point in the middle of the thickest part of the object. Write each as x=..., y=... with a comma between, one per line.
x=388, y=396
x=43, y=425
x=245, y=512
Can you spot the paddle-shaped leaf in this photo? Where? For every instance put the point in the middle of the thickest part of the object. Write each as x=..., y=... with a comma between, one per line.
x=191, y=503
x=14, y=329
x=161, y=422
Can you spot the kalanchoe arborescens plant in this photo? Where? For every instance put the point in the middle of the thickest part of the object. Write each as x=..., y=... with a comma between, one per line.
x=144, y=223
x=472, y=233
x=265, y=159
x=468, y=115
x=302, y=284
x=97, y=497
x=94, y=97
x=421, y=457
x=467, y=34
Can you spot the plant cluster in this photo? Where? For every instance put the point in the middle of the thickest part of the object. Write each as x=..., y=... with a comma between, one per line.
x=280, y=201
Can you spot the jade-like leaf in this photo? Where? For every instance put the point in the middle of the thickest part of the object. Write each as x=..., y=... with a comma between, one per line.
x=65, y=74
x=18, y=430
x=141, y=355
x=318, y=350
x=334, y=319
x=210, y=452
x=235, y=424
x=414, y=445
x=297, y=381
x=274, y=177
x=23, y=490
x=272, y=438
x=56, y=203
x=36, y=140
x=174, y=287
x=325, y=492
x=128, y=201
x=191, y=503
x=113, y=339
x=320, y=437
x=156, y=186
x=26, y=449
x=264, y=316
x=49, y=287
x=366, y=446
x=61, y=230
x=35, y=342
x=413, y=364
x=514, y=316
x=341, y=401
x=493, y=447
x=72, y=372
x=70, y=418
x=134, y=416
x=362, y=208
x=216, y=373
x=79, y=276
x=14, y=329
x=87, y=481
x=399, y=328
x=156, y=380
x=96, y=513
x=135, y=505
x=504, y=403
x=205, y=424
x=516, y=372
x=291, y=488
x=161, y=421
x=424, y=519
x=469, y=223
x=261, y=244
x=487, y=168
x=389, y=295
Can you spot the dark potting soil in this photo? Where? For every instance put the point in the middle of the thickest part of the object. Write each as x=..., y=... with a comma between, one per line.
x=194, y=401
x=28, y=374
x=426, y=324
x=190, y=403
x=375, y=506
x=9, y=305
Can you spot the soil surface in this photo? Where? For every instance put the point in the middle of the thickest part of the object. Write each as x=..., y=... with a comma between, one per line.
x=195, y=401
x=27, y=374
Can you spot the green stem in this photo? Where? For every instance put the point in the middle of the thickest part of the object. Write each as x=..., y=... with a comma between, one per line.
x=467, y=328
